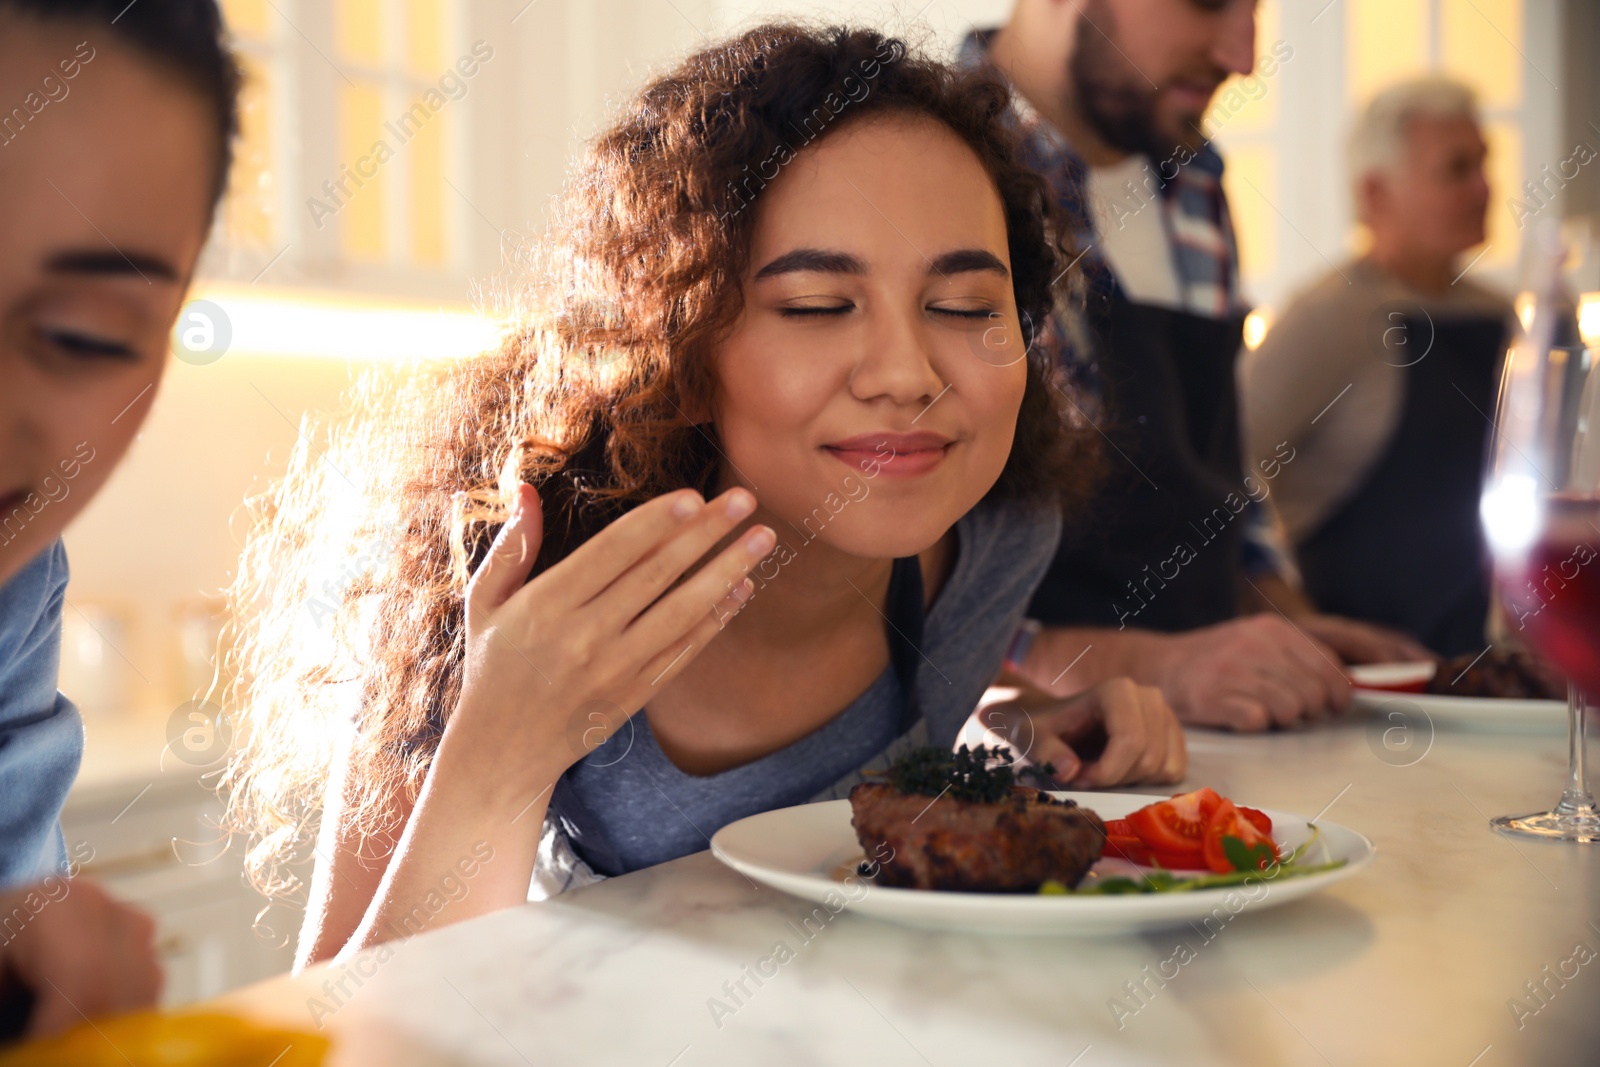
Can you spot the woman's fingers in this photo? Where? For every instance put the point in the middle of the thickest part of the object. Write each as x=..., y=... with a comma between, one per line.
x=699, y=598
x=623, y=569
x=593, y=566
x=1126, y=732
x=658, y=570
x=1036, y=737
x=1153, y=709
x=1051, y=748
x=510, y=558
x=1145, y=741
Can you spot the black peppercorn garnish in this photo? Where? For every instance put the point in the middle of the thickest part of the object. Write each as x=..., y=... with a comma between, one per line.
x=985, y=774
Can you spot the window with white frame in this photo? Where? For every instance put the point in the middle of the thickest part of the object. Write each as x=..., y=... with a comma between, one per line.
x=355, y=143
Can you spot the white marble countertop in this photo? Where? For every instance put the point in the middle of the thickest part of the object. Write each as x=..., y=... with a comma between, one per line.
x=1416, y=960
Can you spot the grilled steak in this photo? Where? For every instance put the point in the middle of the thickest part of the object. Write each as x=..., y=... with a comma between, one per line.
x=1011, y=845
x=1497, y=673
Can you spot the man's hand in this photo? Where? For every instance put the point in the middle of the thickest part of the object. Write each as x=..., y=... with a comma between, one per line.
x=78, y=953
x=1123, y=733
x=1249, y=674
x=1356, y=642
x=1363, y=642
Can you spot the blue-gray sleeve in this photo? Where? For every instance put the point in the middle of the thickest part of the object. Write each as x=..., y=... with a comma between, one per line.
x=966, y=637
x=41, y=733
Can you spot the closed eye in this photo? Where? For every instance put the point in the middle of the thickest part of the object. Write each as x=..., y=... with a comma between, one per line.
x=815, y=311
x=82, y=344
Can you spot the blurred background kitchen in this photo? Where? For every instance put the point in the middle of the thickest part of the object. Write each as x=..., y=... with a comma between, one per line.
x=333, y=254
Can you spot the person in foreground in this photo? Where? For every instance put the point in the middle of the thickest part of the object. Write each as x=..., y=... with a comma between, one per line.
x=1381, y=504
x=110, y=169
x=1171, y=585
x=779, y=468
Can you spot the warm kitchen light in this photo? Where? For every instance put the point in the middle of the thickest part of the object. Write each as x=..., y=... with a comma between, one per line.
x=1523, y=303
x=1589, y=319
x=1256, y=325
x=287, y=322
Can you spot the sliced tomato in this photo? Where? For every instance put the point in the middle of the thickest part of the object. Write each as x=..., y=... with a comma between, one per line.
x=1229, y=821
x=1174, y=830
x=1123, y=843
x=1258, y=818
x=1130, y=849
x=1178, y=861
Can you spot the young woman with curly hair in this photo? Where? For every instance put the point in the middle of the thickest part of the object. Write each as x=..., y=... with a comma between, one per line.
x=779, y=368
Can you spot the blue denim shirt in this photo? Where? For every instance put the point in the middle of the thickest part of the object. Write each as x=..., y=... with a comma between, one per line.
x=41, y=733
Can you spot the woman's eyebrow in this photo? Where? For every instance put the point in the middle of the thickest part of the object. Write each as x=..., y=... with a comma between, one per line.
x=960, y=261
x=112, y=263
x=967, y=259
x=812, y=259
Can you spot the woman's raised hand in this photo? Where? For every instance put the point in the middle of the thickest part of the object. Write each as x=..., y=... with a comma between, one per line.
x=1135, y=730
x=601, y=631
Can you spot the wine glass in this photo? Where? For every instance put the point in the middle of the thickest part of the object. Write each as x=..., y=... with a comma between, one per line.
x=1541, y=512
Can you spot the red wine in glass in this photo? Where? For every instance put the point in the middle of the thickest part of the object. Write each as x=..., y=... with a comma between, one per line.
x=1541, y=512
x=1553, y=600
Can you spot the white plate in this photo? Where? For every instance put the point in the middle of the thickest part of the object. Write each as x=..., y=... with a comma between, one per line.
x=1499, y=714
x=810, y=851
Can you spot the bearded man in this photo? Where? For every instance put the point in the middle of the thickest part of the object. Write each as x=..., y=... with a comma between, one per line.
x=1162, y=581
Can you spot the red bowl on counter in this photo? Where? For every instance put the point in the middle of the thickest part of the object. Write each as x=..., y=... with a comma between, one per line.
x=1411, y=677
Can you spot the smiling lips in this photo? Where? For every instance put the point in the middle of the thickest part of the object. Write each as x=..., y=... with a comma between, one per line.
x=895, y=454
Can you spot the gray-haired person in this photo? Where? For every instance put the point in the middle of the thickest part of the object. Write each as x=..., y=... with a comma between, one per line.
x=1380, y=376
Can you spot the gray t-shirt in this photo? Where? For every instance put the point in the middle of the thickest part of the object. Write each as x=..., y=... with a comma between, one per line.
x=1327, y=384
x=652, y=812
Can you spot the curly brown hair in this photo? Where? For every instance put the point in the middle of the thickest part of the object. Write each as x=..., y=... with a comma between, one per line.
x=636, y=284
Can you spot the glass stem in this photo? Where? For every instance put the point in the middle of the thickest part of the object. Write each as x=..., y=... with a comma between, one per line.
x=1577, y=797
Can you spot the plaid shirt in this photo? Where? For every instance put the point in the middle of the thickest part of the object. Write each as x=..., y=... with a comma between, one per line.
x=1194, y=207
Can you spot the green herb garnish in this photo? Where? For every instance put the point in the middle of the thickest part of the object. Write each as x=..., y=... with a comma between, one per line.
x=1246, y=857
x=1162, y=880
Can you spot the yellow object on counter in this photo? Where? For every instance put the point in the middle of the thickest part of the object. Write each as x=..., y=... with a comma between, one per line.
x=171, y=1039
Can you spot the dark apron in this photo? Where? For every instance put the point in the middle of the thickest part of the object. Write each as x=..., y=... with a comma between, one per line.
x=903, y=614
x=1406, y=550
x=1173, y=415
